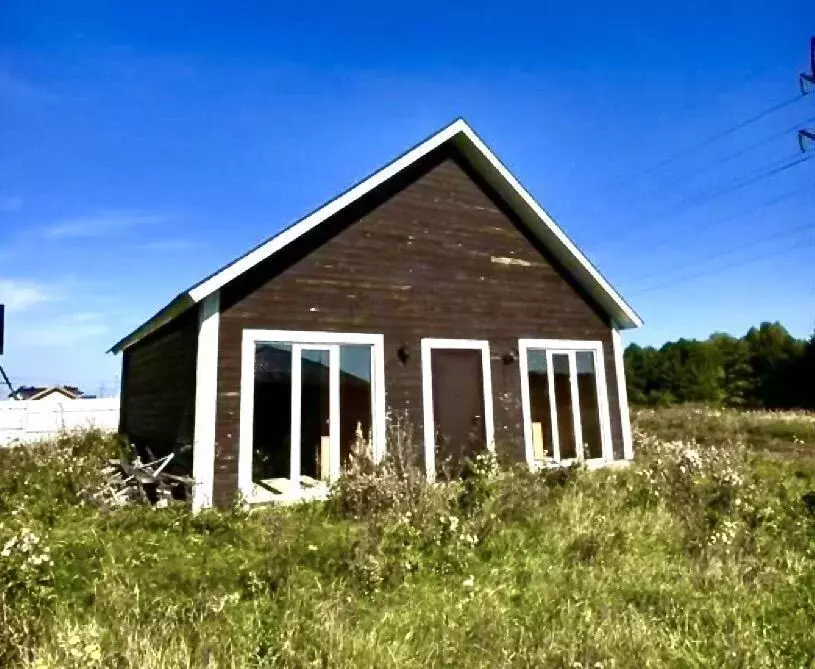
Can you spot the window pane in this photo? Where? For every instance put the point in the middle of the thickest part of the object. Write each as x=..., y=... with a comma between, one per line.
x=539, y=405
x=563, y=404
x=355, y=397
x=271, y=425
x=589, y=411
x=315, y=450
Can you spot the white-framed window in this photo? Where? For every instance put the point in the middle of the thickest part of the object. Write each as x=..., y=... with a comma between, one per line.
x=305, y=399
x=564, y=400
x=457, y=399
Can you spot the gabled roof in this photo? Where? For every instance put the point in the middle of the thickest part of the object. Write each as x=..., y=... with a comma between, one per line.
x=485, y=163
x=37, y=393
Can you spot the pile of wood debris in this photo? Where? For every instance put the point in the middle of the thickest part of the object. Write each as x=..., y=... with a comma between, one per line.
x=134, y=482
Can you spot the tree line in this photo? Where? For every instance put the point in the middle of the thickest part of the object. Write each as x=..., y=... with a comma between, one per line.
x=766, y=368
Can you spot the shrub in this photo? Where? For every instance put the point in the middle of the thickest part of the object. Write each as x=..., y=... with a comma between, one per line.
x=520, y=495
x=410, y=526
x=26, y=574
x=51, y=475
x=711, y=490
x=367, y=488
x=38, y=483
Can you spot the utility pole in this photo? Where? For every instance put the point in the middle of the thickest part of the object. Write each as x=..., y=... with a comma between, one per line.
x=12, y=392
x=807, y=81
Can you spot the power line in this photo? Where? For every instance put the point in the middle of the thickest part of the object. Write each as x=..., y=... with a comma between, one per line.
x=737, y=185
x=717, y=270
x=767, y=204
x=731, y=250
x=776, y=167
x=713, y=138
x=729, y=157
x=751, y=76
x=689, y=203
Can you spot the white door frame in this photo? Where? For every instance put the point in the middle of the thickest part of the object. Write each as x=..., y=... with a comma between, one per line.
x=295, y=464
x=306, y=340
x=428, y=345
x=569, y=348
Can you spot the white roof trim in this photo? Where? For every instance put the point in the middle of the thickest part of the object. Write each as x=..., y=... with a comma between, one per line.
x=487, y=164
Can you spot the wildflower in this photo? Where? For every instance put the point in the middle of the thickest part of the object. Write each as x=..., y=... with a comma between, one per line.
x=469, y=582
x=312, y=547
x=8, y=546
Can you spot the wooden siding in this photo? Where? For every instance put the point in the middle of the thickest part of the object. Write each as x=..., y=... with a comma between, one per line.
x=158, y=389
x=432, y=253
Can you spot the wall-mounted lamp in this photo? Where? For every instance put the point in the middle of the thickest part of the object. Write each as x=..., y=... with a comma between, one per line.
x=403, y=353
x=510, y=356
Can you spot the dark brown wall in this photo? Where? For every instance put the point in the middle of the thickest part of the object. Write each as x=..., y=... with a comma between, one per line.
x=158, y=389
x=413, y=259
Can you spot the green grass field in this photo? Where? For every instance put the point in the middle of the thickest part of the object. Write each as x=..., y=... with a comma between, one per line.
x=697, y=555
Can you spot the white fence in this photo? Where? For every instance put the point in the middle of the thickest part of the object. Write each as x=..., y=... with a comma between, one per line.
x=32, y=420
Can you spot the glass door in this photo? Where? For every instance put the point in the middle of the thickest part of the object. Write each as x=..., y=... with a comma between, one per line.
x=315, y=413
x=563, y=401
x=308, y=401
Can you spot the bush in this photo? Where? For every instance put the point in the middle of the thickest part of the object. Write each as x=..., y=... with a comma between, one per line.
x=37, y=484
x=368, y=488
x=51, y=475
x=410, y=526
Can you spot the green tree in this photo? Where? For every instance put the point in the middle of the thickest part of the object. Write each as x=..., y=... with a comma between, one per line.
x=806, y=376
x=774, y=357
x=737, y=373
x=691, y=371
x=768, y=367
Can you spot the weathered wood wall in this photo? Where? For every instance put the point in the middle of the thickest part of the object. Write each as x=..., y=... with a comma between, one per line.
x=432, y=253
x=158, y=389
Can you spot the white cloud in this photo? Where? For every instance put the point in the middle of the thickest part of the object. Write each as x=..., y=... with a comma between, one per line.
x=102, y=224
x=22, y=294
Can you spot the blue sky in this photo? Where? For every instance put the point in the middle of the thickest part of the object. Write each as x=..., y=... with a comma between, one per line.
x=141, y=150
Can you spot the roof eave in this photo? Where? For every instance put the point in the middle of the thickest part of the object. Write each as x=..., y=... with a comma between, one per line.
x=179, y=305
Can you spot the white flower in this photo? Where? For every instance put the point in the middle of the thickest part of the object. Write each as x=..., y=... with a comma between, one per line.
x=312, y=547
x=469, y=582
x=8, y=546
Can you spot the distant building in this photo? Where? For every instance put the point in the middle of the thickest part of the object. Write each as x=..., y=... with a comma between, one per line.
x=48, y=393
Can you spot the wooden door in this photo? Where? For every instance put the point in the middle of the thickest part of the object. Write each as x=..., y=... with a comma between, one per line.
x=458, y=407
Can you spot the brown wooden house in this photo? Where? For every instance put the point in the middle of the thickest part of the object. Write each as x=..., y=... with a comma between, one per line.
x=436, y=287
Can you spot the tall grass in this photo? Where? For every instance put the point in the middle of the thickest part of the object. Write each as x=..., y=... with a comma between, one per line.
x=698, y=555
x=776, y=433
